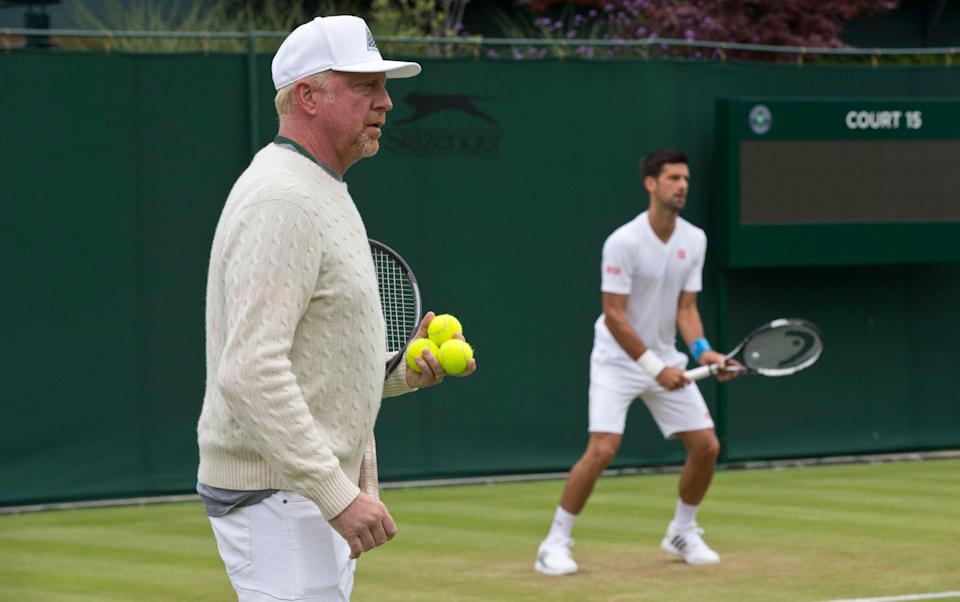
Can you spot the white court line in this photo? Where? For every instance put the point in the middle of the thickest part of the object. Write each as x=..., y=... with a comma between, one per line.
x=937, y=596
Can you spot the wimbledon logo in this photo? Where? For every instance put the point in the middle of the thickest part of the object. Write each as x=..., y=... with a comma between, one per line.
x=760, y=120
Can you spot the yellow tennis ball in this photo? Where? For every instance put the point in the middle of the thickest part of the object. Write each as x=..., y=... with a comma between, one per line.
x=455, y=355
x=415, y=350
x=443, y=327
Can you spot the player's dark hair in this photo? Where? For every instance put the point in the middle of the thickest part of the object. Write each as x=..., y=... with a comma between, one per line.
x=653, y=163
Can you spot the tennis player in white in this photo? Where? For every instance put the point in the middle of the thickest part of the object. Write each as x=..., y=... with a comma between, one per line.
x=651, y=274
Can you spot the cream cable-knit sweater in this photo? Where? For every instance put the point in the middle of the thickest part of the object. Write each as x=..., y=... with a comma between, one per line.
x=295, y=337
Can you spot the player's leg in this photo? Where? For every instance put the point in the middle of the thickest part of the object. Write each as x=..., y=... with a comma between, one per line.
x=703, y=448
x=608, y=414
x=684, y=536
x=601, y=450
x=683, y=414
x=268, y=546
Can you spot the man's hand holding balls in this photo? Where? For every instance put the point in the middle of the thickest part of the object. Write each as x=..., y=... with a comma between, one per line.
x=426, y=358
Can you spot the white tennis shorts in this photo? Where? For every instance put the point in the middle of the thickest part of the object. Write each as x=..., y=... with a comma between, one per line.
x=282, y=549
x=616, y=380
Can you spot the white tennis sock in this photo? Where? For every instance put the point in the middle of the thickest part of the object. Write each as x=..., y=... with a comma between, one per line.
x=685, y=516
x=562, y=526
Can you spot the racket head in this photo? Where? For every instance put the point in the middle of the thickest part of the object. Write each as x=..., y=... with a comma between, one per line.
x=399, y=298
x=781, y=347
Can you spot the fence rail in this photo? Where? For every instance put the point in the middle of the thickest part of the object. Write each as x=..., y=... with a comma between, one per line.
x=480, y=41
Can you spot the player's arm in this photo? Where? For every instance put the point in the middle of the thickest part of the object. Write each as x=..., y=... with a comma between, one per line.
x=688, y=320
x=691, y=329
x=615, y=317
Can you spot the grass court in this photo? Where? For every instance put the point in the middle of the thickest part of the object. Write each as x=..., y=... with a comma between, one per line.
x=807, y=534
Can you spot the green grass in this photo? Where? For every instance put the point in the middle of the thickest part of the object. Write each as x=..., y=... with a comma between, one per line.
x=798, y=534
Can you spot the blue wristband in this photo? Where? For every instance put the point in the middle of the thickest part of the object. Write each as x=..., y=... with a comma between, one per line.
x=698, y=347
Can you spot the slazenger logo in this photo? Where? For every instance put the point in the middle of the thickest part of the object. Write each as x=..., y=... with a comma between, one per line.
x=445, y=124
x=425, y=105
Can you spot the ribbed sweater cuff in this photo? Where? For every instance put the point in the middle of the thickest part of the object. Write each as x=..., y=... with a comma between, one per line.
x=396, y=383
x=333, y=494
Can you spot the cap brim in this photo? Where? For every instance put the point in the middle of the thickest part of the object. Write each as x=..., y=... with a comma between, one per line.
x=393, y=69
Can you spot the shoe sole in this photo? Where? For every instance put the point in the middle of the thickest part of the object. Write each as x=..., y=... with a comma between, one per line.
x=541, y=568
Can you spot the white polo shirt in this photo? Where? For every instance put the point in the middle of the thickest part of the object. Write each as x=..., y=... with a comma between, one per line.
x=637, y=263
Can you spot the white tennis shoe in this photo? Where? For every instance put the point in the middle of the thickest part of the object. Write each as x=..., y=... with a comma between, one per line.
x=554, y=558
x=688, y=544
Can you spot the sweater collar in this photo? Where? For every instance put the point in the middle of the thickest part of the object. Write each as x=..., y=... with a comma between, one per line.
x=293, y=145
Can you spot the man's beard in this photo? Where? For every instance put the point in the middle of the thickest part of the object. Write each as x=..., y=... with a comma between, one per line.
x=672, y=204
x=367, y=146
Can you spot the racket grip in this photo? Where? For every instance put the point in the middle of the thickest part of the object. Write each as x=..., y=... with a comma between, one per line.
x=701, y=372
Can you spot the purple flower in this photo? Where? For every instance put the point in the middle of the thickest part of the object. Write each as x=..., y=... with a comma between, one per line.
x=492, y=54
x=571, y=34
x=517, y=54
x=689, y=34
x=542, y=22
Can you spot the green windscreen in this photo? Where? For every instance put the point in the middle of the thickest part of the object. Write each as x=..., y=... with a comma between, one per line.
x=498, y=181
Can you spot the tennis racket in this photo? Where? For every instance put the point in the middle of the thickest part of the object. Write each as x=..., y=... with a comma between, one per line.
x=400, y=298
x=778, y=348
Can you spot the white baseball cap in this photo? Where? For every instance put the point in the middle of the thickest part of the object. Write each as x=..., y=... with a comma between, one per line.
x=340, y=43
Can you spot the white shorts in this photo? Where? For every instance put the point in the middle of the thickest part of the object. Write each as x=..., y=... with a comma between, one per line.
x=616, y=380
x=282, y=549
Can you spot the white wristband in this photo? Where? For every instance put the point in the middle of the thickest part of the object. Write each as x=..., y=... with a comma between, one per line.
x=650, y=363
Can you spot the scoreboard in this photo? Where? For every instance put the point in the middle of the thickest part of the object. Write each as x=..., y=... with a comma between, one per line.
x=838, y=181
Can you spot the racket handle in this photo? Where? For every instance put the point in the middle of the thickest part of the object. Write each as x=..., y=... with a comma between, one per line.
x=701, y=372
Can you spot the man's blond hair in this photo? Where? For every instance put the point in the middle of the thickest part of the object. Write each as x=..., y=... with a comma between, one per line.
x=284, y=98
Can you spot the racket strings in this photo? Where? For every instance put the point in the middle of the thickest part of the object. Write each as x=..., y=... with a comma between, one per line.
x=783, y=350
x=397, y=298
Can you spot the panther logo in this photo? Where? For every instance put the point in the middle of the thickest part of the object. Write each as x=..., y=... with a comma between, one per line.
x=425, y=105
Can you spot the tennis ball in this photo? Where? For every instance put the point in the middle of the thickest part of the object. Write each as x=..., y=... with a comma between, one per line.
x=455, y=355
x=415, y=350
x=443, y=327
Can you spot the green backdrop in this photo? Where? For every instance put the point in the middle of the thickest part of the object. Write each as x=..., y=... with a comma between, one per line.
x=498, y=181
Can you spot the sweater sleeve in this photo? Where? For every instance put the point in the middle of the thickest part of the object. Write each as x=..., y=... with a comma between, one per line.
x=272, y=256
x=396, y=383
x=369, y=478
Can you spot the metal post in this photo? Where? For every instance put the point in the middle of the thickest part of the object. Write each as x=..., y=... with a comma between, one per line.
x=37, y=20
x=722, y=344
x=253, y=103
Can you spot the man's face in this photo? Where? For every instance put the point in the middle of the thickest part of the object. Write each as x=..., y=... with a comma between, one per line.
x=354, y=111
x=669, y=189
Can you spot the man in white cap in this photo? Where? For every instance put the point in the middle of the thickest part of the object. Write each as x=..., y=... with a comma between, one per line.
x=295, y=341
